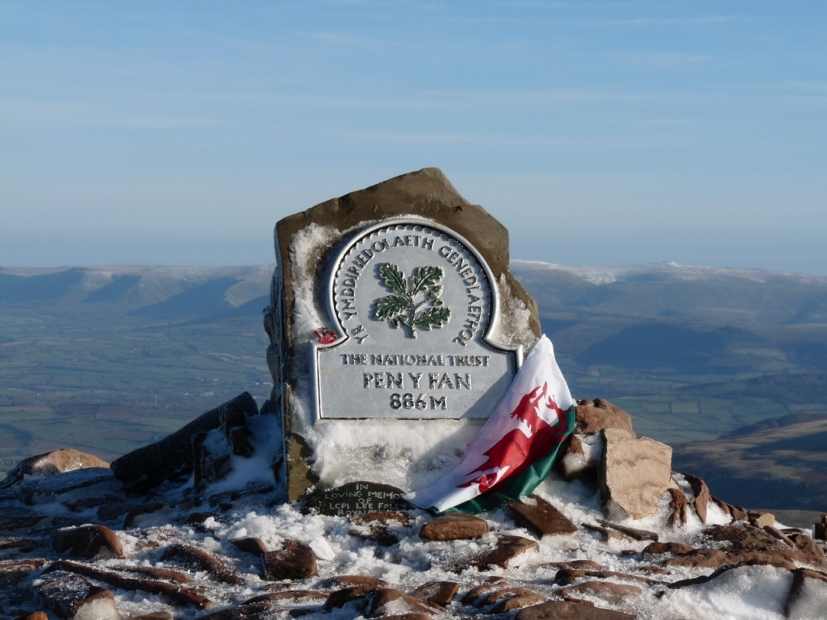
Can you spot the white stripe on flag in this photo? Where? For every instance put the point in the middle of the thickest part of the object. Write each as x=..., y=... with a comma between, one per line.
x=529, y=410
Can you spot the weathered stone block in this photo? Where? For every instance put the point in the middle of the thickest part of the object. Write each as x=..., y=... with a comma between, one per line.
x=634, y=473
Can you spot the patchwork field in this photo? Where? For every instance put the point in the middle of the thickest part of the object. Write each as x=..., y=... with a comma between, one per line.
x=107, y=359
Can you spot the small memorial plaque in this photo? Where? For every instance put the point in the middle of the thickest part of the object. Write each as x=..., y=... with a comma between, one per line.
x=358, y=498
x=414, y=304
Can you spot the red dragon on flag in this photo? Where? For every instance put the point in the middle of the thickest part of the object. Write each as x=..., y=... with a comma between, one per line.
x=522, y=446
x=527, y=427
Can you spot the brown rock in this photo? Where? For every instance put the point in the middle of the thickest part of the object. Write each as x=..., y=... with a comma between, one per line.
x=293, y=561
x=762, y=558
x=51, y=463
x=470, y=597
x=811, y=551
x=508, y=549
x=252, y=545
x=540, y=517
x=454, y=526
x=254, y=611
x=175, y=592
x=702, y=495
x=437, y=592
x=743, y=538
x=797, y=605
x=87, y=541
x=738, y=513
x=679, y=506
x=567, y=576
x=675, y=548
x=576, y=565
x=761, y=519
x=147, y=467
x=352, y=581
x=342, y=597
x=498, y=595
x=204, y=560
x=569, y=610
x=412, y=616
x=289, y=595
x=700, y=558
x=38, y=615
x=634, y=472
x=67, y=595
x=683, y=583
x=599, y=415
x=378, y=600
x=605, y=533
x=155, y=615
x=614, y=593
x=374, y=526
x=518, y=601
x=722, y=505
x=137, y=511
x=775, y=533
x=630, y=531
x=158, y=573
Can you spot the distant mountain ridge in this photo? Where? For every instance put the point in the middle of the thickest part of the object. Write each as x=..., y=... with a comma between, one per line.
x=692, y=353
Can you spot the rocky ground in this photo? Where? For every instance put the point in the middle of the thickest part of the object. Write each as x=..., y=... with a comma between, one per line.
x=190, y=532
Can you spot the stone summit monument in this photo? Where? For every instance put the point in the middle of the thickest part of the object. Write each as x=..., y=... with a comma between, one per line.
x=395, y=330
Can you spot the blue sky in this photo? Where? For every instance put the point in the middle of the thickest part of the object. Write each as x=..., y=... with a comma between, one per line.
x=599, y=133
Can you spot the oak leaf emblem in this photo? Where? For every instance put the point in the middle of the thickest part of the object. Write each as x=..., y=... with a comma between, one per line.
x=405, y=306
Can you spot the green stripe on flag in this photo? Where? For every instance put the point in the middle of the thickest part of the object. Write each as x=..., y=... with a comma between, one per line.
x=520, y=485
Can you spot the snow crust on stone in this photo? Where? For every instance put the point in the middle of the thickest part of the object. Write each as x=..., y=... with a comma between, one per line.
x=305, y=250
x=513, y=328
x=266, y=439
x=412, y=454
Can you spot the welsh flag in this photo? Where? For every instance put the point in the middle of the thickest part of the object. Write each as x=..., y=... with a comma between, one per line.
x=517, y=446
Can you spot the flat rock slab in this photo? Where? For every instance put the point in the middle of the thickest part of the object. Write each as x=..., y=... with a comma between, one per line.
x=293, y=561
x=540, y=517
x=518, y=602
x=50, y=463
x=569, y=610
x=380, y=601
x=702, y=495
x=613, y=593
x=507, y=550
x=675, y=548
x=454, y=526
x=438, y=592
x=633, y=474
x=87, y=541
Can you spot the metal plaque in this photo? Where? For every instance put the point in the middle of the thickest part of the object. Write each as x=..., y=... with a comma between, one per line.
x=414, y=305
